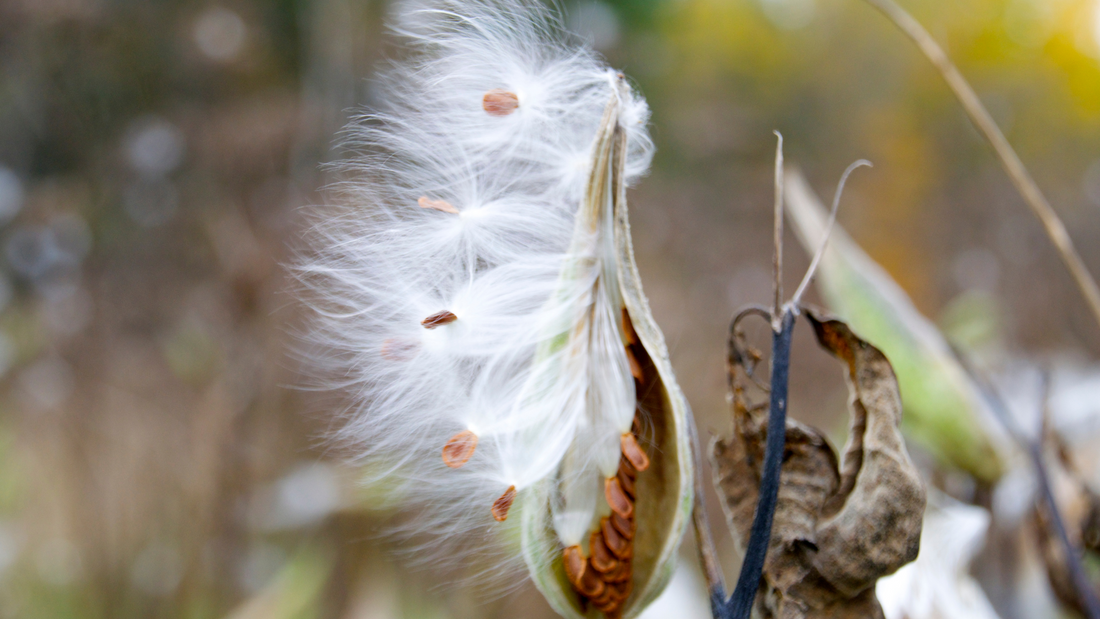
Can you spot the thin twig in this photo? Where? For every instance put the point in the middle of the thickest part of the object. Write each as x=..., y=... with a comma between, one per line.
x=777, y=242
x=1019, y=175
x=1034, y=449
x=797, y=298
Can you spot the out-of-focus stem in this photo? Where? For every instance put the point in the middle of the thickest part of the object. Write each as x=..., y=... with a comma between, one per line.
x=1019, y=175
x=1055, y=522
x=777, y=241
x=704, y=543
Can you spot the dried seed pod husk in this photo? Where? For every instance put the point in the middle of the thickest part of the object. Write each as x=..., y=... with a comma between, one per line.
x=664, y=491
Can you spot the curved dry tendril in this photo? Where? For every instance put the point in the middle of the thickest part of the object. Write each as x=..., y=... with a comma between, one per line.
x=828, y=229
x=740, y=355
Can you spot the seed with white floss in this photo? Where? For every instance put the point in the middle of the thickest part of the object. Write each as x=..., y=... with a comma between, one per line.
x=499, y=102
x=438, y=319
x=502, y=505
x=437, y=205
x=396, y=349
x=459, y=449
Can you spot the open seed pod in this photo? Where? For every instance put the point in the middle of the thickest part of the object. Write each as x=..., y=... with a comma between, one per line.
x=629, y=551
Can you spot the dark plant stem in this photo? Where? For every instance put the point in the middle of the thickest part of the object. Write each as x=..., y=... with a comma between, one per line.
x=739, y=606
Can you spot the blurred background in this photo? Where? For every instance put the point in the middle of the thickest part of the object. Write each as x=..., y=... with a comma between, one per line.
x=155, y=157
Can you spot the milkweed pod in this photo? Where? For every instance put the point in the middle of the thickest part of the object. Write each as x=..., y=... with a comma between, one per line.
x=662, y=497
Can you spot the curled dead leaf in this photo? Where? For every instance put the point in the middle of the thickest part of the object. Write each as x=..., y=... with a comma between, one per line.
x=836, y=530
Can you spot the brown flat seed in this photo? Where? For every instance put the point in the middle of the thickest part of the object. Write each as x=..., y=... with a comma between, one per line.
x=610, y=610
x=396, y=349
x=590, y=584
x=604, y=598
x=624, y=526
x=503, y=504
x=629, y=334
x=635, y=367
x=627, y=482
x=619, y=573
x=626, y=468
x=575, y=564
x=623, y=574
x=459, y=449
x=615, y=574
x=633, y=452
x=621, y=589
x=617, y=499
x=438, y=205
x=627, y=588
x=499, y=102
x=600, y=558
x=607, y=604
x=438, y=319
x=614, y=541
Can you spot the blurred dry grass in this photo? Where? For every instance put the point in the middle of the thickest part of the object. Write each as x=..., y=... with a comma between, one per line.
x=153, y=158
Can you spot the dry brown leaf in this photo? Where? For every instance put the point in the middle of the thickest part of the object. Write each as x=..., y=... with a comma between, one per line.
x=837, y=530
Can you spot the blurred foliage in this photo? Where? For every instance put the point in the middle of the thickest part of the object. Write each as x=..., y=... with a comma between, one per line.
x=943, y=412
x=154, y=459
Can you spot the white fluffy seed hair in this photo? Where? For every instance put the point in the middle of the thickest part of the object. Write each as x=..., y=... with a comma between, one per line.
x=449, y=208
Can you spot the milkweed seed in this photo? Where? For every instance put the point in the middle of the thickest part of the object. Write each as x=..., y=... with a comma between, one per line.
x=633, y=452
x=437, y=205
x=499, y=102
x=438, y=319
x=503, y=504
x=459, y=449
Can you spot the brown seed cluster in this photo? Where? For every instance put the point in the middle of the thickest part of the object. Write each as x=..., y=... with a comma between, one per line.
x=605, y=578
